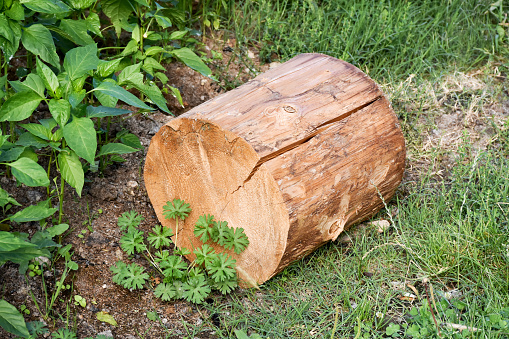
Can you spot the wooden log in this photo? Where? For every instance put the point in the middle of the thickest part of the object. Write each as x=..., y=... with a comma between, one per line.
x=295, y=156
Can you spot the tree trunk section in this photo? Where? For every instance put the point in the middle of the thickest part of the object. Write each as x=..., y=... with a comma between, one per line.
x=295, y=157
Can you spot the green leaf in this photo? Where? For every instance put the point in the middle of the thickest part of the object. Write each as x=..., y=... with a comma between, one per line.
x=38, y=40
x=33, y=213
x=118, y=11
x=221, y=268
x=165, y=291
x=77, y=29
x=11, y=154
x=128, y=220
x=75, y=98
x=129, y=276
x=49, y=78
x=20, y=106
x=150, y=64
x=173, y=267
x=38, y=130
x=121, y=94
x=204, y=227
x=196, y=289
x=163, y=21
x=132, y=241
x=131, y=75
x=132, y=140
x=93, y=23
x=103, y=111
x=28, y=139
x=188, y=57
x=177, y=35
x=81, y=4
x=71, y=170
x=5, y=29
x=29, y=172
x=154, y=94
x=130, y=48
x=60, y=110
x=81, y=137
x=106, y=318
x=45, y=6
x=115, y=148
x=34, y=83
x=176, y=93
x=106, y=68
x=237, y=239
x=176, y=209
x=204, y=255
x=11, y=320
x=153, y=50
x=16, y=12
x=57, y=229
x=160, y=237
x=78, y=61
x=5, y=199
x=226, y=286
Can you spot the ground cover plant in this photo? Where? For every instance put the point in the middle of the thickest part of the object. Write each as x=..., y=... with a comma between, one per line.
x=439, y=270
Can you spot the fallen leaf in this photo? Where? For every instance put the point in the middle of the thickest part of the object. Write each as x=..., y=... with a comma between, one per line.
x=106, y=318
x=381, y=225
x=407, y=297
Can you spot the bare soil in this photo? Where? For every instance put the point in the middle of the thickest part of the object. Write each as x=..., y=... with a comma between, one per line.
x=120, y=188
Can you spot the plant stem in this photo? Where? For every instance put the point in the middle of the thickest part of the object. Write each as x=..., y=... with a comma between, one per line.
x=49, y=168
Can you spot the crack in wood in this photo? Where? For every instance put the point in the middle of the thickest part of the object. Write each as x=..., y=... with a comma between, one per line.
x=320, y=128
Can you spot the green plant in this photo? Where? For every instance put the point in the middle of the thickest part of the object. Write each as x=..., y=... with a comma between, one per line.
x=210, y=270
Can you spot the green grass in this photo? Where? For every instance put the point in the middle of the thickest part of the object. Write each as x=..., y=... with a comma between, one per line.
x=452, y=233
x=386, y=39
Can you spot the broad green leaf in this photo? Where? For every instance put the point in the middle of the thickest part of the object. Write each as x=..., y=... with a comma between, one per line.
x=78, y=30
x=118, y=11
x=60, y=110
x=163, y=21
x=11, y=47
x=103, y=111
x=45, y=6
x=20, y=106
x=12, y=321
x=162, y=77
x=106, y=318
x=28, y=139
x=132, y=140
x=150, y=64
x=177, y=35
x=188, y=57
x=81, y=137
x=136, y=33
x=106, y=68
x=94, y=24
x=10, y=242
x=33, y=83
x=11, y=154
x=38, y=130
x=154, y=93
x=130, y=48
x=16, y=12
x=49, y=78
x=176, y=93
x=33, y=213
x=57, y=229
x=153, y=50
x=121, y=94
x=5, y=29
x=75, y=98
x=143, y=3
x=71, y=170
x=30, y=154
x=78, y=61
x=29, y=172
x=38, y=40
x=116, y=148
x=81, y=4
x=131, y=75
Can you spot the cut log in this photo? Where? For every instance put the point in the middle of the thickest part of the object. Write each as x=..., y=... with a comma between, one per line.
x=295, y=157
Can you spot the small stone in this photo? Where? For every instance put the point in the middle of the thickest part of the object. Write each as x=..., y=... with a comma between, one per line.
x=132, y=184
x=381, y=225
x=34, y=196
x=107, y=334
x=104, y=286
x=164, y=320
x=274, y=64
x=203, y=82
x=250, y=55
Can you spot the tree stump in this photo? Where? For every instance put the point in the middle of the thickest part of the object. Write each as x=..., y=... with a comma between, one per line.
x=295, y=157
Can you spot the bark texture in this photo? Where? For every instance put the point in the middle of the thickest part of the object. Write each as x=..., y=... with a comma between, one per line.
x=295, y=157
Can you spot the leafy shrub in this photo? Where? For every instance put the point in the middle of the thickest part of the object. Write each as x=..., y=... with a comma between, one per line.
x=210, y=270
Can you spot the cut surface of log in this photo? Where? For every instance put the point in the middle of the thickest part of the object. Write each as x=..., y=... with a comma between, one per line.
x=295, y=156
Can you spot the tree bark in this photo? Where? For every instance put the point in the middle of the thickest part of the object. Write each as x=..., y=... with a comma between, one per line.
x=295, y=157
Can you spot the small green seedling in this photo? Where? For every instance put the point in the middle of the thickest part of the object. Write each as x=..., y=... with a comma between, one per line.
x=24, y=309
x=79, y=300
